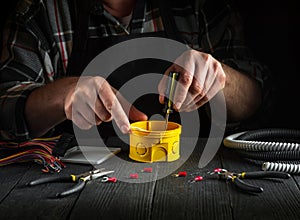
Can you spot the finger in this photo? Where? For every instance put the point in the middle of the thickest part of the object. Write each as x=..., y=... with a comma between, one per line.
x=213, y=72
x=195, y=93
x=101, y=111
x=184, y=82
x=113, y=106
x=84, y=103
x=213, y=90
x=80, y=121
x=195, y=105
x=88, y=114
x=216, y=81
x=136, y=115
x=213, y=75
x=120, y=117
x=162, y=86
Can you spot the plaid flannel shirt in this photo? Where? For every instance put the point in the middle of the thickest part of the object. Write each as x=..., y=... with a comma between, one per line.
x=38, y=39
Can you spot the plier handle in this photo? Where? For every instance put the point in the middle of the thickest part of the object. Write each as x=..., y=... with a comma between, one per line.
x=236, y=178
x=80, y=179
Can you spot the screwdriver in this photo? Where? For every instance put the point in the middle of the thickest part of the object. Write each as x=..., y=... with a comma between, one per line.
x=169, y=95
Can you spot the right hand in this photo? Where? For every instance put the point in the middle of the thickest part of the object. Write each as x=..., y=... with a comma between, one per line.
x=94, y=101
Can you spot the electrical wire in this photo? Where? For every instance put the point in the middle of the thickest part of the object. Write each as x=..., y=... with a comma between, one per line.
x=38, y=150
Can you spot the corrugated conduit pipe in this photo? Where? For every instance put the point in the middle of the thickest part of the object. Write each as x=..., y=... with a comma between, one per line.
x=278, y=149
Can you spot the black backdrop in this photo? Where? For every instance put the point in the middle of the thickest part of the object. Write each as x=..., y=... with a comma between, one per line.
x=271, y=27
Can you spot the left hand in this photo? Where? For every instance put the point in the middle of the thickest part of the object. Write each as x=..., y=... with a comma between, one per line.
x=201, y=77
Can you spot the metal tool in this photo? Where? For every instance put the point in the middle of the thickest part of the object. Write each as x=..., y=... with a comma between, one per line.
x=169, y=95
x=80, y=179
x=236, y=178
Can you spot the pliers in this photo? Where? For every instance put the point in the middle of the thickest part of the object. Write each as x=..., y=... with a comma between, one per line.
x=236, y=178
x=80, y=179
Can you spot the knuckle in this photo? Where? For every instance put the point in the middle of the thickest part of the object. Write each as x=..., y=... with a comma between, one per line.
x=186, y=79
x=102, y=85
x=217, y=66
x=194, y=53
x=98, y=79
x=190, y=53
x=99, y=122
x=196, y=88
x=206, y=57
x=106, y=118
x=109, y=105
x=82, y=124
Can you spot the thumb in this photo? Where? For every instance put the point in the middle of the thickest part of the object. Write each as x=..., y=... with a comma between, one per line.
x=136, y=115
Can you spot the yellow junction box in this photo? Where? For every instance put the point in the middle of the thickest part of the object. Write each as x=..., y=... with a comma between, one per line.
x=151, y=142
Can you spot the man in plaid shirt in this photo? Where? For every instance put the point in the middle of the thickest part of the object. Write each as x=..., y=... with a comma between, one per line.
x=38, y=92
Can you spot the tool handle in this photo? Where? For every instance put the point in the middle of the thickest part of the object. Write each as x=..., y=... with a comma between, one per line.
x=265, y=174
x=50, y=180
x=78, y=187
x=246, y=186
x=170, y=91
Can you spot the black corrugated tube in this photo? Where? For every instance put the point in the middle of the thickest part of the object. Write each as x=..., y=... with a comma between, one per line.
x=279, y=146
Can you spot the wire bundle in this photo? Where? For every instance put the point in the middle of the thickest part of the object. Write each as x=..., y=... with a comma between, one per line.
x=278, y=149
x=38, y=150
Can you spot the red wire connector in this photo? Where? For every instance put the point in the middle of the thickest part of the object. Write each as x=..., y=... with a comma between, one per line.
x=147, y=170
x=218, y=170
x=109, y=179
x=180, y=174
x=198, y=178
x=134, y=176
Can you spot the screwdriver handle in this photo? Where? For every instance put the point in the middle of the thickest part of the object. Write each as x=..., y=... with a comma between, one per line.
x=169, y=95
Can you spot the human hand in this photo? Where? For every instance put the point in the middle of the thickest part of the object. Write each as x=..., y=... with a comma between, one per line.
x=93, y=101
x=201, y=77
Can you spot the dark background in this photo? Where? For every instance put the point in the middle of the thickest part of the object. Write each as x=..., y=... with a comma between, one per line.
x=270, y=28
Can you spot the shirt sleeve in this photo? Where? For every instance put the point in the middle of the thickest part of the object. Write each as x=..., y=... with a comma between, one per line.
x=24, y=63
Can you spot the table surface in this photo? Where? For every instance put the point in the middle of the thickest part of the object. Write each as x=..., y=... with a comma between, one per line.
x=156, y=195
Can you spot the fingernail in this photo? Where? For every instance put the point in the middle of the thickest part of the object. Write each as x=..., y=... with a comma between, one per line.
x=161, y=99
x=125, y=129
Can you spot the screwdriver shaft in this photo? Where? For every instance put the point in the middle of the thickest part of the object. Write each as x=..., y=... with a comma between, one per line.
x=169, y=96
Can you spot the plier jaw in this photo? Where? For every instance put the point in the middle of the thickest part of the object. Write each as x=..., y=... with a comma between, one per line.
x=94, y=174
x=222, y=174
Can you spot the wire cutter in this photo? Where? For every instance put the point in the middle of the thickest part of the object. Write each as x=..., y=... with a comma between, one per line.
x=80, y=179
x=236, y=178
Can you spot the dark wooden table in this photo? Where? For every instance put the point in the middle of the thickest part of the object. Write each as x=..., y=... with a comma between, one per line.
x=150, y=196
